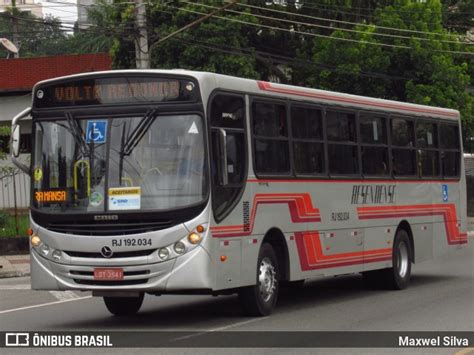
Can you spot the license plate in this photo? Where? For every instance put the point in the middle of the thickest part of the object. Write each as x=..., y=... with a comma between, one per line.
x=108, y=274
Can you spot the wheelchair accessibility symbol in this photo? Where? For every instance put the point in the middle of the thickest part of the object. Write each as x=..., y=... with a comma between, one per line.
x=96, y=132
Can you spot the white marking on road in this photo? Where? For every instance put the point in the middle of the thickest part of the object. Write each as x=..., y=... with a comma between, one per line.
x=219, y=329
x=64, y=295
x=43, y=304
x=14, y=287
x=465, y=351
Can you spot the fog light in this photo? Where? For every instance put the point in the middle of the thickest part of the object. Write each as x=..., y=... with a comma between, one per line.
x=179, y=247
x=163, y=253
x=35, y=241
x=56, y=255
x=44, y=249
x=194, y=238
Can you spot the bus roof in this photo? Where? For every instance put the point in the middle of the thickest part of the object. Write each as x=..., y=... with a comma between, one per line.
x=211, y=81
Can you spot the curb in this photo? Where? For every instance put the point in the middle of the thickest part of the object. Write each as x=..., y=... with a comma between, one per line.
x=14, y=266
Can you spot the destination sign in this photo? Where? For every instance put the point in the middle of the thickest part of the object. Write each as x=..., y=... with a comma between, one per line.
x=122, y=90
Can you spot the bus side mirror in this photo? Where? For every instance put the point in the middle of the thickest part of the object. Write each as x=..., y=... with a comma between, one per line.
x=15, y=141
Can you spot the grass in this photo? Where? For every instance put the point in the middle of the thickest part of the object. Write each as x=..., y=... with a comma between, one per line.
x=9, y=230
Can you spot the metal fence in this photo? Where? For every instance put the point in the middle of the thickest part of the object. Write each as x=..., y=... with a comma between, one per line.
x=15, y=187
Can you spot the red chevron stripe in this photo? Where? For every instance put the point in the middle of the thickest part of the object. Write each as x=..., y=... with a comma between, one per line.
x=299, y=205
x=448, y=212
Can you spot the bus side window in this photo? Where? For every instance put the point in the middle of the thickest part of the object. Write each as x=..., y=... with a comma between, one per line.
x=270, y=135
x=403, y=147
x=374, y=148
x=227, y=117
x=427, y=144
x=450, y=150
x=342, y=143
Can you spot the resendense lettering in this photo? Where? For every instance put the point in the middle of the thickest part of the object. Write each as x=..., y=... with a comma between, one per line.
x=373, y=194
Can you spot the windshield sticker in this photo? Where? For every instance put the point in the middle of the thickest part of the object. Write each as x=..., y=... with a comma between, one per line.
x=38, y=174
x=124, y=198
x=51, y=196
x=96, y=132
x=193, y=129
x=96, y=199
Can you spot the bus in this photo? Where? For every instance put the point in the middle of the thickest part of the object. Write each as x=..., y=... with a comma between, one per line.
x=183, y=182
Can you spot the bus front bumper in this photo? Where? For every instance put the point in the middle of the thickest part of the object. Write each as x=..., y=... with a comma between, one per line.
x=191, y=271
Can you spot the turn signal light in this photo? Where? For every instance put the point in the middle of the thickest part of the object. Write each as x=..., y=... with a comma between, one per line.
x=35, y=240
x=194, y=238
x=29, y=231
x=223, y=258
x=200, y=229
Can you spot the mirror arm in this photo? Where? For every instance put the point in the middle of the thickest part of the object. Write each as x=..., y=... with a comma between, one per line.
x=223, y=144
x=15, y=125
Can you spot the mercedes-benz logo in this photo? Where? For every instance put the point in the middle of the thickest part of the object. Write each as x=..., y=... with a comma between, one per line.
x=106, y=252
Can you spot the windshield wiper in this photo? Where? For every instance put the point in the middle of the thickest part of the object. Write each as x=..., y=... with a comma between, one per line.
x=77, y=134
x=127, y=145
x=140, y=130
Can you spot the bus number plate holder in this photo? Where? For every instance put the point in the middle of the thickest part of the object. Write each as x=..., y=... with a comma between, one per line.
x=108, y=274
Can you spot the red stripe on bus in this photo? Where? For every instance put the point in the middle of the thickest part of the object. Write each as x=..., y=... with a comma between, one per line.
x=266, y=86
x=342, y=181
x=448, y=212
x=299, y=205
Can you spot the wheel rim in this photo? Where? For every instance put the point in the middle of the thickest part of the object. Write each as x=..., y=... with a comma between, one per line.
x=402, y=259
x=267, y=279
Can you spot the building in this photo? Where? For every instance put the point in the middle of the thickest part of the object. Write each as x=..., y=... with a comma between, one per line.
x=17, y=78
x=23, y=5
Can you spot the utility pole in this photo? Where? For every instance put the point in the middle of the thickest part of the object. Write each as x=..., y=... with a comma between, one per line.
x=16, y=40
x=142, y=56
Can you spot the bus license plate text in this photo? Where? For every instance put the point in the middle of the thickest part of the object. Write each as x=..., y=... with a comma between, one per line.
x=131, y=242
x=108, y=274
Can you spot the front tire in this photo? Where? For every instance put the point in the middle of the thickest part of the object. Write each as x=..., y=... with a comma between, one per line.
x=124, y=306
x=260, y=300
x=398, y=276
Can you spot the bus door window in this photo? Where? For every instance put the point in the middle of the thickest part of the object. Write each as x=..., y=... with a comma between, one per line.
x=228, y=153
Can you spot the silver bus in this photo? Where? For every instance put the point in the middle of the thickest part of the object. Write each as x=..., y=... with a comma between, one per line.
x=181, y=182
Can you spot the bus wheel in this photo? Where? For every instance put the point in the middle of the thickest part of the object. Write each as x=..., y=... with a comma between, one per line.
x=259, y=300
x=123, y=306
x=398, y=276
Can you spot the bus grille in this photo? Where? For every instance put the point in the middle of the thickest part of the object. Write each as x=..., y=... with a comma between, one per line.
x=110, y=283
x=125, y=254
x=106, y=229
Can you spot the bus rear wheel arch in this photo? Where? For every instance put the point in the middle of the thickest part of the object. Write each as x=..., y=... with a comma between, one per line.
x=398, y=276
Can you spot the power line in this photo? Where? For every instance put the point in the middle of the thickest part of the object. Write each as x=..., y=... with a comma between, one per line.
x=345, y=22
x=328, y=27
x=318, y=35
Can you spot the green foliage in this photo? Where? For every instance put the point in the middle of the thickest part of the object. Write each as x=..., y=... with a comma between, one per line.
x=9, y=228
x=4, y=132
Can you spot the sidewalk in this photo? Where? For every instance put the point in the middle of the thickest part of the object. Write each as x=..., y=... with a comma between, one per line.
x=14, y=265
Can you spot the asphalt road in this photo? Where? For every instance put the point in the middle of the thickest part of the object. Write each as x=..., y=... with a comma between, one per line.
x=440, y=298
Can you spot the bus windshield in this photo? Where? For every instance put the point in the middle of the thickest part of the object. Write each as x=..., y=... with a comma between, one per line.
x=105, y=164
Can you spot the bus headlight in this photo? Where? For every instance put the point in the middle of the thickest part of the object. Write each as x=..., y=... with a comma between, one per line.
x=163, y=253
x=35, y=240
x=194, y=238
x=56, y=255
x=44, y=249
x=179, y=247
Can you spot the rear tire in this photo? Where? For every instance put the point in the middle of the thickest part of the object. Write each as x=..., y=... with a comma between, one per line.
x=398, y=276
x=260, y=300
x=124, y=306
